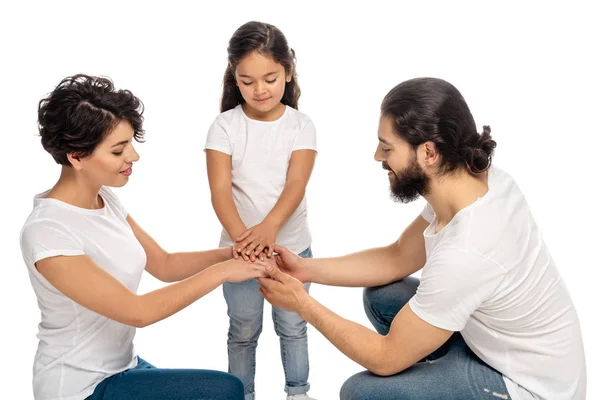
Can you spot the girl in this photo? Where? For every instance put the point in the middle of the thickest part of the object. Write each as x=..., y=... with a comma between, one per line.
x=260, y=153
x=85, y=255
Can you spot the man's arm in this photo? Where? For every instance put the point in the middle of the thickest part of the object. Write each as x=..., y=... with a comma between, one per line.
x=366, y=268
x=410, y=338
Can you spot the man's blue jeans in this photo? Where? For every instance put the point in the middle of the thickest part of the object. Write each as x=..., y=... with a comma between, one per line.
x=146, y=382
x=452, y=372
x=245, y=309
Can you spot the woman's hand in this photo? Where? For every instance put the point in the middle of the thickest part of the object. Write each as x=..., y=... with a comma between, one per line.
x=240, y=270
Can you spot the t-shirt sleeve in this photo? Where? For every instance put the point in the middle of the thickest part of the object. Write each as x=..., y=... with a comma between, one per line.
x=48, y=238
x=428, y=213
x=307, y=137
x=454, y=284
x=218, y=139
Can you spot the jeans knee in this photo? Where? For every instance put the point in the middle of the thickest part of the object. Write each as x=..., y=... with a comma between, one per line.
x=244, y=332
x=374, y=298
x=227, y=386
x=351, y=389
x=291, y=330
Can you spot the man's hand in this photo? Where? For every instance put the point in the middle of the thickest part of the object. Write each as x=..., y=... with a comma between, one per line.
x=281, y=290
x=251, y=243
x=291, y=264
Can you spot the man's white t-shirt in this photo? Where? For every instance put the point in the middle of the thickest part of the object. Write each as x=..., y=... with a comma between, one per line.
x=78, y=348
x=260, y=156
x=490, y=276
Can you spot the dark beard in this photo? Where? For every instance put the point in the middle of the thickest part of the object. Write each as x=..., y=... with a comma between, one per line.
x=409, y=184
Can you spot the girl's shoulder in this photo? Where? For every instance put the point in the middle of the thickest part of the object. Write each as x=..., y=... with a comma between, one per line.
x=224, y=120
x=298, y=118
x=227, y=116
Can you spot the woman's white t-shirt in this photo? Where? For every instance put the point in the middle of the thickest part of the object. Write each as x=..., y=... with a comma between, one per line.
x=77, y=347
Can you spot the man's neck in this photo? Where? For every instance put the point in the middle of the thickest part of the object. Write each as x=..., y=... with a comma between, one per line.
x=451, y=193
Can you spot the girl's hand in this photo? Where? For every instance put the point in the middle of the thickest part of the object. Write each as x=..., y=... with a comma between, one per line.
x=235, y=254
x=255, y=240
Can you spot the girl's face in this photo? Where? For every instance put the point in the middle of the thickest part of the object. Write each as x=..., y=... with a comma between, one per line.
x=110, y=163
x=261, y=81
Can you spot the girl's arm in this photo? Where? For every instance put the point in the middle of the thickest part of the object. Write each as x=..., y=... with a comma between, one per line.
x=218, y=165
x=263, y=235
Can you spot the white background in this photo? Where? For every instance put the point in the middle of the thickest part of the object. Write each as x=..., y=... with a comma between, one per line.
x=529, y=70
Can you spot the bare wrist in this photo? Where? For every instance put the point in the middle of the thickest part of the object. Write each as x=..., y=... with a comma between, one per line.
x=223, y=270
x=273, y=221
x=304, y=306
x=309, y=270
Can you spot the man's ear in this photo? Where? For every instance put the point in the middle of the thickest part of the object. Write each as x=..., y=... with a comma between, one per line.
x=430, y=154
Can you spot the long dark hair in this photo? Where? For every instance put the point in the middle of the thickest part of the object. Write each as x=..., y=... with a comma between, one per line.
x=267, y=40
x=430, y=109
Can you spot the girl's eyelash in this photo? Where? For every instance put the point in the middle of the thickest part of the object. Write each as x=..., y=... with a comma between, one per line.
x=250, y=83
x=118, y=153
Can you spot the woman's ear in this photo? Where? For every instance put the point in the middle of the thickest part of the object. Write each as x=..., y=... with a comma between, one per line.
x=75, y=160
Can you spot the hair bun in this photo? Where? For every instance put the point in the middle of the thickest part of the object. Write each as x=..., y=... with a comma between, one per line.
x=479, y=156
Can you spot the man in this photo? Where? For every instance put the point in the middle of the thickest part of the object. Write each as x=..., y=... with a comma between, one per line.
x=490, y=317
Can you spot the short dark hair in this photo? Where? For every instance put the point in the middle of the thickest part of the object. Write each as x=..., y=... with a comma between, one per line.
x=78, y=114
x=266, y=40
x=430, y=109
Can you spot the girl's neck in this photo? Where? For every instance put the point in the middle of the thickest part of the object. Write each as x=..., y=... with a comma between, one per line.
x=266, y=116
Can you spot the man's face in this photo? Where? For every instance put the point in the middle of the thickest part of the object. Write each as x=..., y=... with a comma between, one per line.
x=407, y=178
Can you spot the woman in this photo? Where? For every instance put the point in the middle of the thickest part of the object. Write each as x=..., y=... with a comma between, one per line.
x=86, y=254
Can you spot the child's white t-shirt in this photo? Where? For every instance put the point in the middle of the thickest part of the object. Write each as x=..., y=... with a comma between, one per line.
x=490, y=276
x=78, y=348
x=260, y=155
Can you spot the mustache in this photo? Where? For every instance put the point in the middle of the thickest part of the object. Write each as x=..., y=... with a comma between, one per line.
x=385, y=166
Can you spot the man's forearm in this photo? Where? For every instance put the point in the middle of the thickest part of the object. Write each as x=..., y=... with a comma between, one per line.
x=359, y=343
x=366, y=268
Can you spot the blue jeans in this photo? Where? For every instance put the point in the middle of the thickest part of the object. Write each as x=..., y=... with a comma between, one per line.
x=245, y=310
x=452, y=372
x=146, y=382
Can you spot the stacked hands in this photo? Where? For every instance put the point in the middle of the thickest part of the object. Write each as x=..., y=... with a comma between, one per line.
x=280, y=272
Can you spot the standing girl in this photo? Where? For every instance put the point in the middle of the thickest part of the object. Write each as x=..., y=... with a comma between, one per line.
x=260, y=154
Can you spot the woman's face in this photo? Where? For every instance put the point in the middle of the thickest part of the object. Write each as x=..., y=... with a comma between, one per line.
x=111, y=162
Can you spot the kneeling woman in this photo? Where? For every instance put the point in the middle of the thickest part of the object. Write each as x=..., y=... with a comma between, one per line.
x=86, y=255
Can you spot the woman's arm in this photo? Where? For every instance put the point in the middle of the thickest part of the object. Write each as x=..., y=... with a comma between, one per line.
x=173, y=267
x=83, y=281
